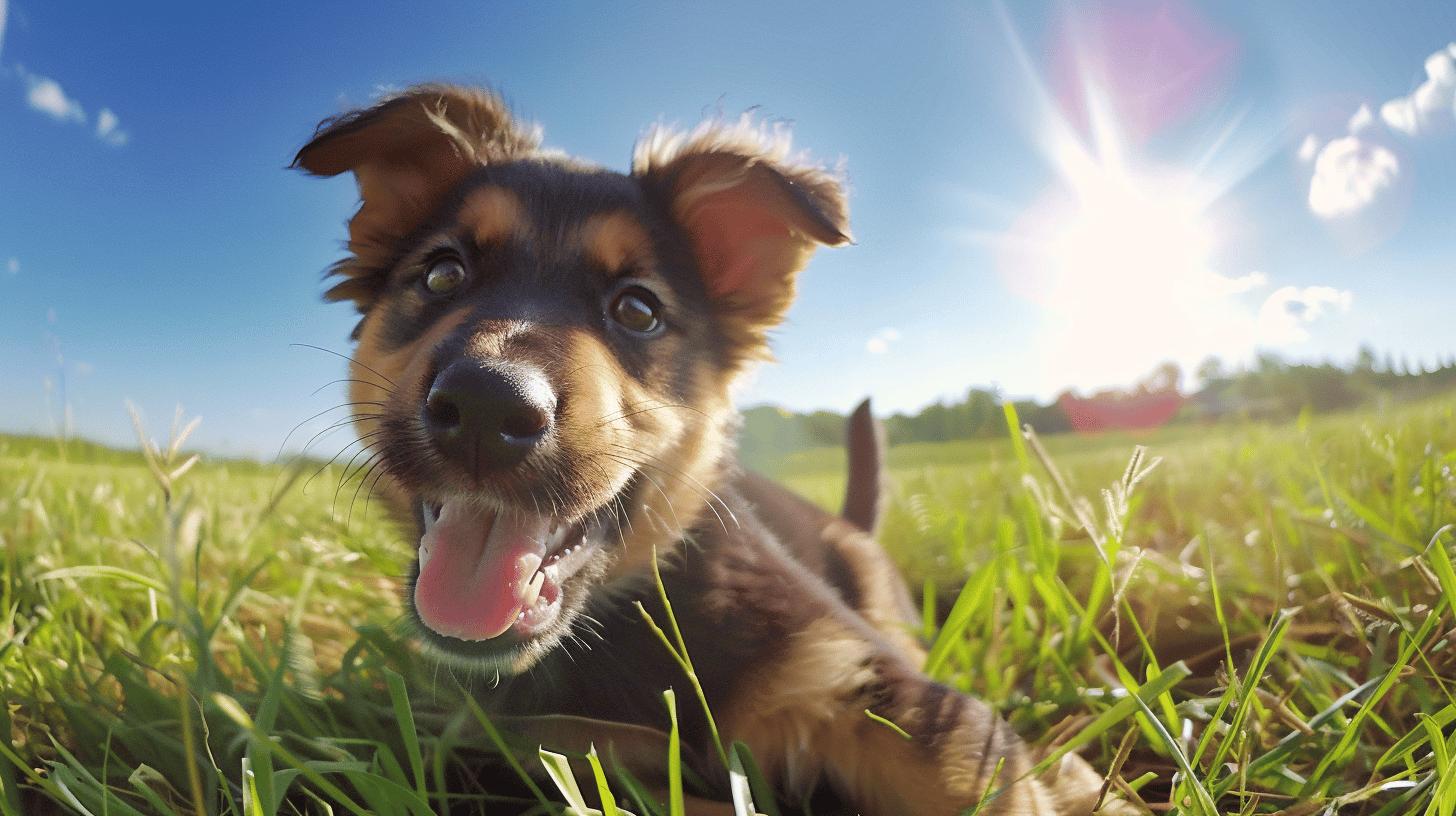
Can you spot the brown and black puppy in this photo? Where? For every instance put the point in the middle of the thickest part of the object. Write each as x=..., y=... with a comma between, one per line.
x=550, y=348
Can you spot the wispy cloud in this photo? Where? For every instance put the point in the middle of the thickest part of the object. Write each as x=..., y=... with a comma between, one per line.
x=47, y=96
x=1309, y=148
x=1241, y=284
x=108, y=128
x=13, y=265
x=1361, y=121
x=1287, y=312
x=879, y=342
x=4, y=8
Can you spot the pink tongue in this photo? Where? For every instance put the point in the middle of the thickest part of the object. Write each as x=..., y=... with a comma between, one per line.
x=479, y=564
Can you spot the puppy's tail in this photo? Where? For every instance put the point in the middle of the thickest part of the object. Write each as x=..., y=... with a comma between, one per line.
x=865, y=440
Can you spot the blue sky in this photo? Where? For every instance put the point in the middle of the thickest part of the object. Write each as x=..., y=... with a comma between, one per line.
x=1044, y=195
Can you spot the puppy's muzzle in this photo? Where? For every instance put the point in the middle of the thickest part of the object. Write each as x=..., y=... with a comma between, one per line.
x=488, y=416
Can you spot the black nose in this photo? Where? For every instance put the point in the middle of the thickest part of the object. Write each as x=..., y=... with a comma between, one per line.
x=486, y=417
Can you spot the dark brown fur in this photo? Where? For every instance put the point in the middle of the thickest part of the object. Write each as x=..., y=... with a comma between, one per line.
x=796, y=620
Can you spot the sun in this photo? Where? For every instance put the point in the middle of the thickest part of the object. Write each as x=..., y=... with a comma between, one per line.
x=1121, y=254
x=1126, y=249
x=1126, y=240
x=1123, y=264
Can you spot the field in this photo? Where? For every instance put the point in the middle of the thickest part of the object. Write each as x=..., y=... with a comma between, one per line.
x=1242, y=619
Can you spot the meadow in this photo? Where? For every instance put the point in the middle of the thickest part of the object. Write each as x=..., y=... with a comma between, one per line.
x=1240, y=618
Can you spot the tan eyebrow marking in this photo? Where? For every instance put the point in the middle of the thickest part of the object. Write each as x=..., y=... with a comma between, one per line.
x=618, y=242
x=492, y=214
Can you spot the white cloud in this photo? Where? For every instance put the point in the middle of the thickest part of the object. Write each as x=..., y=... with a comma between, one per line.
x=3, y=9
x=1349, y=174
x=1309, y=148
x=47, y=96
x=879, y=342
x=1353, y=171
x=1432, y=103
x=1361, y=121
x=13, y=265
x=1289, y=310
x=1239, y=285
x=108, y=128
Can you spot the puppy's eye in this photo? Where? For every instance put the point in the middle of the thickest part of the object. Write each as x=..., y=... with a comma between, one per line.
x=445, y=275
x=637, y=309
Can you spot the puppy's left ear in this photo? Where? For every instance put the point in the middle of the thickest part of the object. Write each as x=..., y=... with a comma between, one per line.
x=753, y=219
x=406, y=153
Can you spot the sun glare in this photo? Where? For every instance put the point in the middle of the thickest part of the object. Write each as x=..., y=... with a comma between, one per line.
x=1123, y=265
x=1128, y=239
x=1121, y=251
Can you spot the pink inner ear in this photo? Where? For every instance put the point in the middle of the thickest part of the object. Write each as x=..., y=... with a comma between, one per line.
x=736, y=240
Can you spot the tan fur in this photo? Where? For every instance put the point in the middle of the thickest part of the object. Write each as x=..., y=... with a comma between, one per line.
x=804, y=715
x=804, y=718
x=390, y=379
x=492, y=214
x=490, y=340
x=789, y=705
x=884, y=602
x=618, y=242
x=633, y=429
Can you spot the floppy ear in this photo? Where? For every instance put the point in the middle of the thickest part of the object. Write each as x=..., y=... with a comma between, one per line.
x=753, y=219
x=407, y=152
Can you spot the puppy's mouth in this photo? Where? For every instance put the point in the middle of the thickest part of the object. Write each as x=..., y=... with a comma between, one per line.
x=487, y=573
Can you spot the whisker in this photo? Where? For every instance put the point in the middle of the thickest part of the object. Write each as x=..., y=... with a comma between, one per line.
x=373, y=461
x=344, y=479
x=336, y=456
x=295, y=428
x=709, y=497
x=344, y=357
x=677, y=523
x=629, y=414
x=381, y=386
x=683, y=475
x=348, y=420
x=614, y=415
x=583, y=368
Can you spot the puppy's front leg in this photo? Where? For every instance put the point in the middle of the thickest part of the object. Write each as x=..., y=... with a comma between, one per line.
x=805, y=717
x=791, y=670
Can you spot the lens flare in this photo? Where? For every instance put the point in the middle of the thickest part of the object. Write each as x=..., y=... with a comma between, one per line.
x=1122, y=250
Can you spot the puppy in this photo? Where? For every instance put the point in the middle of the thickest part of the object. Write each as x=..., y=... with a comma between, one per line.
x=549, y=348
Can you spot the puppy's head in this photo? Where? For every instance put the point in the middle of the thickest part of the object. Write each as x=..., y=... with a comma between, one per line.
x=546, y=347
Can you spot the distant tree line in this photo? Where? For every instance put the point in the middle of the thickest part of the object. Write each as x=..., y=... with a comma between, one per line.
x=1270, y=388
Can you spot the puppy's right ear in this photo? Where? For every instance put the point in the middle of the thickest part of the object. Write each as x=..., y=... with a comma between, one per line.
x=407, y=152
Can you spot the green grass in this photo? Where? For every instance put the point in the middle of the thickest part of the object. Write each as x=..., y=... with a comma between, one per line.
x=1260, y=623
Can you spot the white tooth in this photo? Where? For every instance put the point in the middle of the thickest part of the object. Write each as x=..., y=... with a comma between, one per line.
x=533, y=590
x=529, y=564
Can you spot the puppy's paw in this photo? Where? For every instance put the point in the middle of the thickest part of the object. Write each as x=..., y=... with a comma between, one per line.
x=1074, y=787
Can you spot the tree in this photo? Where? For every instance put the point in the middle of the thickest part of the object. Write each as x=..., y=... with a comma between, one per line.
x=1210, y=371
